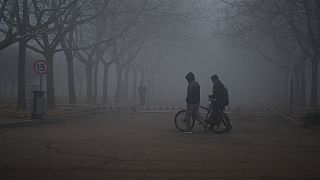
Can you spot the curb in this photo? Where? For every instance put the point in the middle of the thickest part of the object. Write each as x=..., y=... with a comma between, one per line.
x=72, y=115
x=47, y=120
x=289, y=118
x=19, y=123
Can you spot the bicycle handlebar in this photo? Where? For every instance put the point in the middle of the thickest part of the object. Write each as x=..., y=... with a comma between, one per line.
x=206, y=108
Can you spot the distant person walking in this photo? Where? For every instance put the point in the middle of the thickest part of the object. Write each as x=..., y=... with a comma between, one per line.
x=193, y=100
x=142, y=90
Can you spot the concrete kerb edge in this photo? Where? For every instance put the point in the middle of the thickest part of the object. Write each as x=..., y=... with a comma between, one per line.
x=69, y=116
x=291, y=119
x=19, y=123
x=46, y=120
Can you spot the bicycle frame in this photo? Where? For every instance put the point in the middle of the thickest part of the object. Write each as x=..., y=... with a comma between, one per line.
x=208, y=109
x=213, y=119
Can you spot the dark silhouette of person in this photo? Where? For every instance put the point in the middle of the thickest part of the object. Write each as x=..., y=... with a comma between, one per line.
x=142, y=90
x=193, y=100
x=220, y=94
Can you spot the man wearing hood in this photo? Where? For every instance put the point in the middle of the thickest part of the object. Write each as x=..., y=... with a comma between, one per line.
x=220, y=94
x=193, y=100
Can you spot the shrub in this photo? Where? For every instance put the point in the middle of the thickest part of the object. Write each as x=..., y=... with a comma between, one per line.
x=311, y=119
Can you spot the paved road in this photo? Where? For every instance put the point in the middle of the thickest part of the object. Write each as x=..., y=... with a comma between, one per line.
x=147, y=146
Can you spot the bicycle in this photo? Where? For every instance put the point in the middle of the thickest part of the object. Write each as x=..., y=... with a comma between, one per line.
x=219, y=122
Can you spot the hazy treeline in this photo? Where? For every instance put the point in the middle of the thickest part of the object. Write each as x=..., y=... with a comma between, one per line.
x=92, y=32
x=98, y=51
x=285, y=33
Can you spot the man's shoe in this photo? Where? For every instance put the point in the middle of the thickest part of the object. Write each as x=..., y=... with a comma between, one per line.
x=229, y=129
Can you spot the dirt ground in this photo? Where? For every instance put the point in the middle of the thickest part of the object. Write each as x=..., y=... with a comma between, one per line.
x=147, y=146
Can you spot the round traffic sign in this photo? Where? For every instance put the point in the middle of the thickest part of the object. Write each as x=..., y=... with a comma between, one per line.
x=40, y=67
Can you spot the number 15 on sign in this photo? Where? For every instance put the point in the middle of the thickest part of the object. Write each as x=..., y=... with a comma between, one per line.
x=40, y=67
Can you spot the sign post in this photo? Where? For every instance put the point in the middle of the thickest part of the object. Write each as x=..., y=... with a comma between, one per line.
x=41, y=68
x=39, y=102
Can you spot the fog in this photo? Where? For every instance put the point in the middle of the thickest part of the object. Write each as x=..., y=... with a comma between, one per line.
x=109, y=89
x=249, y=79
x=185, y=38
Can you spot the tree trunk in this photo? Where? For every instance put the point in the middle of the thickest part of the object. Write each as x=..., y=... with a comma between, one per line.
x=314, y=83
x=297, y=86
x=1, y=88
x=126, y=83
x=285, y=89
x=6, y=85
x=13, y=85
x=291, y=99
x=71, y=87
x=21, y=101
x=50, y=82
x=134, y=84
x=279, y=91
x=89, y=84
x=105, y=83
x=303, y=84
x=148, y=87
x=95, y=83
x=153, y=85
x=119, y=82
x=80, y=90
x=142, y=75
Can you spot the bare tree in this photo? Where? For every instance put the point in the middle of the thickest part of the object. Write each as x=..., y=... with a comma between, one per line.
x=24, y=20
x=304, y=19
x=296, y=20
x=18, y=21
x=78, y=12
x=127, y=50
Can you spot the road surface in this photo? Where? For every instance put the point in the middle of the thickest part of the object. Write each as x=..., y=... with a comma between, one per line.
x=147, y=146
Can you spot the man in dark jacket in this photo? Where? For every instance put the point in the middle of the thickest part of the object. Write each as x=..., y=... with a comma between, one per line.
x=193, y=100
x=220, y=94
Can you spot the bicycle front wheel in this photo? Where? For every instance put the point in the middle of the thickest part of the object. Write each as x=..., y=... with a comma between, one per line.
x=219, y=123
x=226, y=117
x=180, y=121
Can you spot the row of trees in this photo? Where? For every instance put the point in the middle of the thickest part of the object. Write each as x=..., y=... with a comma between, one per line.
x=8, y=79
x=110, y=32
x=285, y=33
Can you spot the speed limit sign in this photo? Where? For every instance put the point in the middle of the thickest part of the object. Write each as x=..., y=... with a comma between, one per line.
x=40, y=67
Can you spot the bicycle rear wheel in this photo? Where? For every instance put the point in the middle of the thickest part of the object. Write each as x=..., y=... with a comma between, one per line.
x=180, y=121
x=219, y=123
